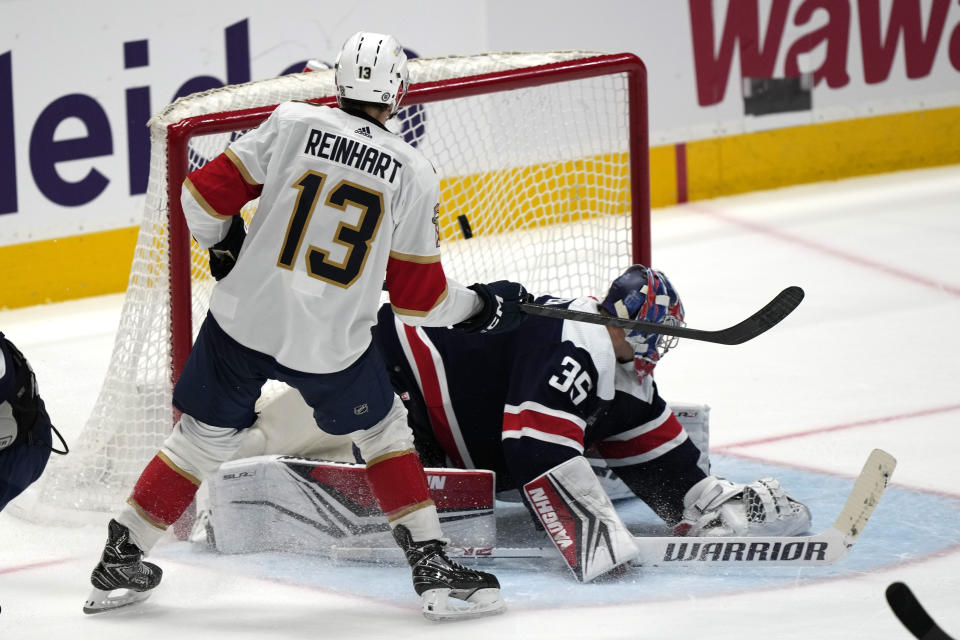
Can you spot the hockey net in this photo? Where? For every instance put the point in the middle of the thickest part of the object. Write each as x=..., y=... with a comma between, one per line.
x=543, y=161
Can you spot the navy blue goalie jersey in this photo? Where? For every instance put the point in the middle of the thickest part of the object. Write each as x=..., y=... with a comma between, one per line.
x=521, y=402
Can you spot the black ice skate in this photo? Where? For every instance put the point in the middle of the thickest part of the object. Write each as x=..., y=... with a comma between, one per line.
x=120, y=569
x=436, y=579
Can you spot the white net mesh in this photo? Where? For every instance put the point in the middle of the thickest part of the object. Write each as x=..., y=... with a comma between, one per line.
x=539, y=176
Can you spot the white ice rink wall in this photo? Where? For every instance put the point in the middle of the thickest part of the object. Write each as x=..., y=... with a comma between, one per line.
x=744, y=95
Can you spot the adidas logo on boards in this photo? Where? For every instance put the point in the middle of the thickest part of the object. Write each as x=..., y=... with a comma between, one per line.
x=364, y=131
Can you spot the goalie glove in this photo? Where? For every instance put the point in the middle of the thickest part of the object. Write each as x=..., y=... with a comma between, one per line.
x=224, y=254
x=718, y=507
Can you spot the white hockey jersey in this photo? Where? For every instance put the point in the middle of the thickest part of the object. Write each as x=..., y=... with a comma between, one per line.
x=345, y=208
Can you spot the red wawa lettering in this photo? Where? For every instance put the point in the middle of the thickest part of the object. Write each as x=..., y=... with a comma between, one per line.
x=758, y=57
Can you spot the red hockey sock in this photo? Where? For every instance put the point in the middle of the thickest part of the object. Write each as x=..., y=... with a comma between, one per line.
x=399, y=483
x=163, y=491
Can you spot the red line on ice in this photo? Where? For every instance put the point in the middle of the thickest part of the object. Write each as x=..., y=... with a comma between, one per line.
x=835, y=253
x=35, y=565
x=839, y=427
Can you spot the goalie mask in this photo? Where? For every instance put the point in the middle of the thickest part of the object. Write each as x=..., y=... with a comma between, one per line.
x=645, y=294
x=372, y=67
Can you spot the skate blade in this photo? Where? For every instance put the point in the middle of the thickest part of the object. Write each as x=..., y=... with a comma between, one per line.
x=438, y=606
x=99, y=600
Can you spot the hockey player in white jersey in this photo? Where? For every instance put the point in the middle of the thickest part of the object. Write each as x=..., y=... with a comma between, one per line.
x=346, y=209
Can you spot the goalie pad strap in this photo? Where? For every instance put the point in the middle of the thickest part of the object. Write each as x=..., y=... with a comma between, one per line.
x=399, y=484
x=580, y=519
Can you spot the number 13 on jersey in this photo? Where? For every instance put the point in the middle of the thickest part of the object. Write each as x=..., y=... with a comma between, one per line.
x=356, y=238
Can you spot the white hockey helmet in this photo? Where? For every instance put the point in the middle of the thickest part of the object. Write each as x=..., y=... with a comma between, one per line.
x=372, y=67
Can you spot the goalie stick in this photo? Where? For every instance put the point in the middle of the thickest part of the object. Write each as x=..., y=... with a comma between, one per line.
x=772, y=313
x=912, y=614
x=819, y=549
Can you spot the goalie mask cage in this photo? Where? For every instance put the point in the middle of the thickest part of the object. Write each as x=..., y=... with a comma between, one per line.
x=547, y=149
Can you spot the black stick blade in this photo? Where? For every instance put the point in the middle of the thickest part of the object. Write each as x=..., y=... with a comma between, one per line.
x=764, y=319
x=912, y=614
x=772, y=313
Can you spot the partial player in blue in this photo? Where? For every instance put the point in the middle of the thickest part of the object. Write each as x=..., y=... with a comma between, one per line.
x=25, y=428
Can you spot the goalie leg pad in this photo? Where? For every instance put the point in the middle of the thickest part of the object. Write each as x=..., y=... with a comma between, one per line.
x=580, y=519
x=279, y=503
x=286, y=426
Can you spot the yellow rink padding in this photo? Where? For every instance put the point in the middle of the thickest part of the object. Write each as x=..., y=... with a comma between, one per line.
x=529, y=196
x=66, y=268
x=663, y=176
x=825, y=151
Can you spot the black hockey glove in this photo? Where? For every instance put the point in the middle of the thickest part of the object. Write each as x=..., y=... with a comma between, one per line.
x=501, y=308
x=27, y=407
x=224, y=254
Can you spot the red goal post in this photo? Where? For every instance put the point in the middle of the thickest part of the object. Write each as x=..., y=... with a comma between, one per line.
x=544, y=166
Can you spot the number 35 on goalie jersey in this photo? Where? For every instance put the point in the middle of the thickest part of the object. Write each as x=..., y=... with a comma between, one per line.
x=559, y=381
x=572, y=375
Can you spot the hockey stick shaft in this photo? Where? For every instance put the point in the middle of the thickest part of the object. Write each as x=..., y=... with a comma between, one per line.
x=394, y=554
x=911, y=613
x=823, y=548
x=667, y=551
x=772, y=313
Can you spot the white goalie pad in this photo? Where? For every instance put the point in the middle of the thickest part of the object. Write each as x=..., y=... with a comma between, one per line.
x=283, y=503
x=285, y=426
x=694, y=418
x=580, y=519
